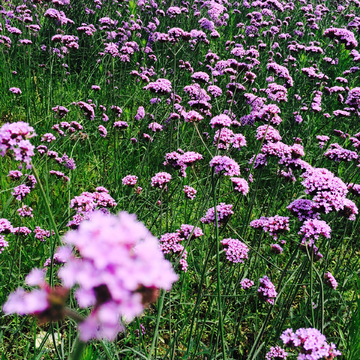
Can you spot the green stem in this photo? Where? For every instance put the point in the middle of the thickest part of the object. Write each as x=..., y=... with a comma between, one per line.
x=47, y=205
x=218, y=267
x=79, y=348
x=156, y=332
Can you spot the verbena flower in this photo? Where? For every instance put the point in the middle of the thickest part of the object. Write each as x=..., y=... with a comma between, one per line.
x=267, y=291
x=246, y=284
x=311, y=342
x=235, y=250
x=225, y=165
x=330, y=280
x=224, y=211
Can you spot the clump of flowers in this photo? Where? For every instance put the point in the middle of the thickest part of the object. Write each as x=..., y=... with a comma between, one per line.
x=311, y=342
x=275, y=225
x=276, y=353
x=266, y=290
x=235, y=250
x=189, y=192
x=225, y=165
x=115, y=286
x=303, y=209
x=14, y=137
x=224, y=211
x=130, y=180
x=330, y=280
x=240, y=185
x=246, y=284
x=160, y=180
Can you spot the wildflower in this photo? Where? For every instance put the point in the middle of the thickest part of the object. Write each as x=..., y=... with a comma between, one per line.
x=276, y=353
x=235, y=250
x=224, y=211
x=246, y=284
x=160, y=179
x=121, y=125
x=21, y=191
x=267, y=291
x=140, y=113
x=225, y=165
x=3, y=243
x=15, y=90
x=25, y=211
x=311, y=342
x=274, y=225
x=240, y=185
x=189, y=192
x=220, y=121
x=330, y=280
x=186, y=231
x=130, y=180
x=102, y=131
x=170, y=244
x=142, y=329
x=303, y=209
x=276, y=249
x=5, y=227
x=15, y=174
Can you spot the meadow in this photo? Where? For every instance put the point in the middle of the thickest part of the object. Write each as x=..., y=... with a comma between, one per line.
x=179, y=179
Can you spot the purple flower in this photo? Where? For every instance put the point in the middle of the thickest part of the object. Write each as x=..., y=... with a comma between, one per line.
x=102, y=131
x=224, y=165
x=160, y=179
x=240, y=185
x=5, y=227
x=140, y=113
x=15, y=90
x=274, y=225
x=330, y=280
x=276, y=353
x=116, y=285
x=25, y=211
x=303, y=209
x=130, y=180
x=246, y=284
x=3, y=243
x=21, y=191
x=311, y=342
x=189, y=192
x=224, y=211
x=220, y=121
x=235, y=250
x=267, y=291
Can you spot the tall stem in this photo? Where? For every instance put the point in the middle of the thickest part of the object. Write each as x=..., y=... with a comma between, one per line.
x=221, y=325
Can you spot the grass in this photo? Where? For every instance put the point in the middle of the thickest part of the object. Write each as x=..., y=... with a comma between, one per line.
x=206, y=315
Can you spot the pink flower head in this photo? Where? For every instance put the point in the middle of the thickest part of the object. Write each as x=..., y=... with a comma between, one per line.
x=189, y=192
x=235, y=250
x=130, y=180
x=220, y=121
x=267, y=291
x=117, y=285
x=330, y=280
x=160, y=179
x=246, y=284
x=225, y=166
x=224, y=211
x=240, y=185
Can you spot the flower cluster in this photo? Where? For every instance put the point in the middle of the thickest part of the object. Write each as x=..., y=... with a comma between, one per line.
x=223, y=212
x=310, y=342
x=225, y=165
x=267, y=290
x=14, y=137
x=275, y=225
x=235, y=250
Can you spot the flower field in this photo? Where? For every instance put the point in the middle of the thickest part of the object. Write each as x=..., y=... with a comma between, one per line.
x=179, y=180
